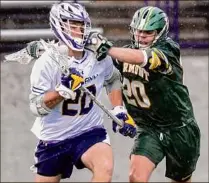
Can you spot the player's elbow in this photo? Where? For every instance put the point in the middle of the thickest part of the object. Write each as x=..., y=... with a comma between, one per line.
x=34, y=110
x=37, y=106
x=114, y=83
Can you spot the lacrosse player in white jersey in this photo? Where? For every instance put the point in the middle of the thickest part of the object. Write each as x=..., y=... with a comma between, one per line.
x=69, y=125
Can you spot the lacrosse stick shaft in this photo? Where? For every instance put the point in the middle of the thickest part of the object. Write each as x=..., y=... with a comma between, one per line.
x=113, y=117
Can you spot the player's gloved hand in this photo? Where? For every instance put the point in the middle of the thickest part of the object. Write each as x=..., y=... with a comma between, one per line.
x=65, y=92
x=129, y=127
x=69, y=84
x=35, y=49
x=74, y=81
x=98, y=44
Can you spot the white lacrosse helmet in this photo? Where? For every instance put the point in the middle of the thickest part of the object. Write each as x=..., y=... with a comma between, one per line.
x=63, y=18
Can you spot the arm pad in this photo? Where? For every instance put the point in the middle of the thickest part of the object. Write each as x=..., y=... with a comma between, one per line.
x=37, y=105
x=114, y=83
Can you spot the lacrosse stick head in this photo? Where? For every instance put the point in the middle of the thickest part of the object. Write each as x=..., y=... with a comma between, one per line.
x=71, y=24
x=20, y=56
x=59, y=54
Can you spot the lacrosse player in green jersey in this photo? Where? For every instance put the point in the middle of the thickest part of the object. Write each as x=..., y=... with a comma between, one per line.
x=155, y=96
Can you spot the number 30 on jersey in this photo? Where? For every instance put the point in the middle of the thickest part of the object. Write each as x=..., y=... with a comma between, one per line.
x=135, y=94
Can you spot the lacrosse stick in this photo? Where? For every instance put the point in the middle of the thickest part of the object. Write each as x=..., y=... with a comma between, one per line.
x=22, y=55
x=62, y=62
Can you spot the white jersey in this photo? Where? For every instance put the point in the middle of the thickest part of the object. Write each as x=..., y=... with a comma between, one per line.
x=70, y=118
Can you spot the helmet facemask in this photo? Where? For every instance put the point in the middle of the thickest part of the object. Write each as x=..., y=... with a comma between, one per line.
x=76, y=32
x=139, y=42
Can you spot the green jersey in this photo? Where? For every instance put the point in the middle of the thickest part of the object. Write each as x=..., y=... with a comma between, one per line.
x=154, y=92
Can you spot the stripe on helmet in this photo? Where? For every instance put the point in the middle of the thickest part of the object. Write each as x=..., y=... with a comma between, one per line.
x=149, y=16
x=145, y=18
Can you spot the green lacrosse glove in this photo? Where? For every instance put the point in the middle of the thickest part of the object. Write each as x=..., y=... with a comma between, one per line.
x=98, y=44
x=35, y=49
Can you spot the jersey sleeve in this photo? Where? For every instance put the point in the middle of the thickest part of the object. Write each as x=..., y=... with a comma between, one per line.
x=41, y=76
x=109, y=68
x=118, y=65
x=157, y=61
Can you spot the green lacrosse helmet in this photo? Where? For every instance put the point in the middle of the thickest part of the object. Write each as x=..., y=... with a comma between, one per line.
x=150, y=18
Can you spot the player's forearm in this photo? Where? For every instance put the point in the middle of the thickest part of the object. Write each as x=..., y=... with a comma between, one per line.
x=52, y=98
x=128, y=55
x=116, y=98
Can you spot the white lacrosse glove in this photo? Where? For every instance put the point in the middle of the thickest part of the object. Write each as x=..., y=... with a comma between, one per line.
x=98, y=44
x=65, y=92
x=35, y=49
